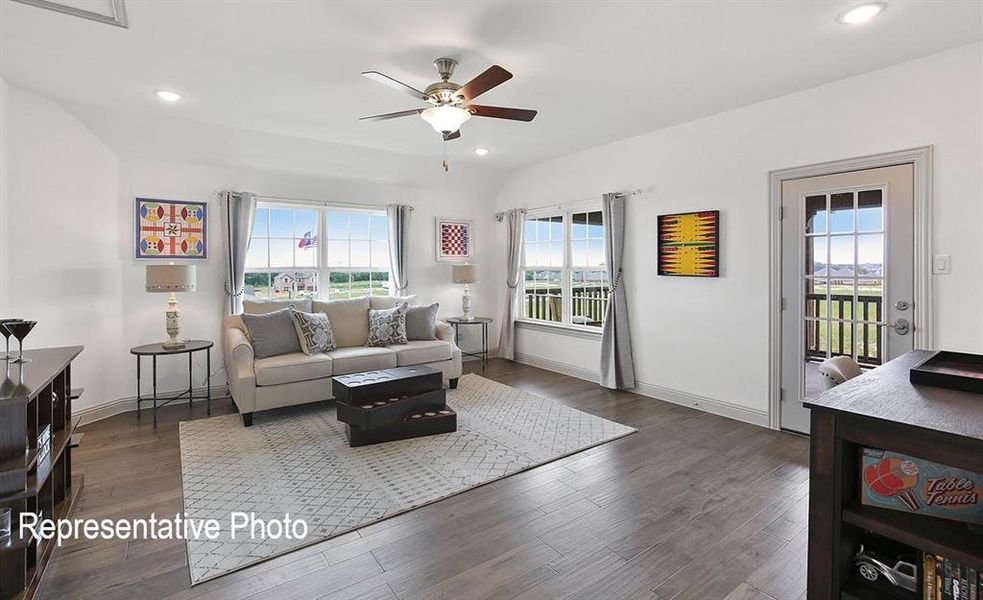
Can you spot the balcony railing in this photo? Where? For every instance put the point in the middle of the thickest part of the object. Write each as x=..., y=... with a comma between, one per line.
x=840, y=338
x=589, y=304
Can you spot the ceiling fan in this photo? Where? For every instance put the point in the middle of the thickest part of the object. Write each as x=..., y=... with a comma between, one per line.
x=452, y=103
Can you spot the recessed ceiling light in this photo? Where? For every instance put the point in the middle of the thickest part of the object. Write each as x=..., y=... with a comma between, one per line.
x=863, y=13
x=168, y=95
x=481, y=151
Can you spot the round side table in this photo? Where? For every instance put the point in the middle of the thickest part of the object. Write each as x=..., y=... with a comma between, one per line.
x=456, y=323
x=155, y=350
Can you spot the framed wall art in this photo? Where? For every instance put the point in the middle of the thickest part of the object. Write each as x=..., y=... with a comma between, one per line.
x=455, y=241
x=689, y=244
x=171, y=229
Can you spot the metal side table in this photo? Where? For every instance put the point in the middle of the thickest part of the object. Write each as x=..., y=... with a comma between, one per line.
x=155, y=350
x=456, y=322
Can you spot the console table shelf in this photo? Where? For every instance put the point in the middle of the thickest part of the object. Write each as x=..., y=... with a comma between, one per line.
x=882, y=409
x=36, y=440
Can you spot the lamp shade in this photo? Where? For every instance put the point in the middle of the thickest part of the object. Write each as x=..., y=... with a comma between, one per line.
x=172, y=278
x=464, y=273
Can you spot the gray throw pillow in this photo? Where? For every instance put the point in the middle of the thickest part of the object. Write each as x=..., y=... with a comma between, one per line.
x=272, y=334
x=421, y=322
x=387, y=327
x=313, y=331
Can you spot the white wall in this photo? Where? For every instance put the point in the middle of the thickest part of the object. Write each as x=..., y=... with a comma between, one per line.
x=71, y=228
x=708, y=338
x=62, y=222
x=4, y=221
x=201, y=311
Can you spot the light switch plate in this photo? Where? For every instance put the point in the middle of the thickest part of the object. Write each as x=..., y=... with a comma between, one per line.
x=941, y=264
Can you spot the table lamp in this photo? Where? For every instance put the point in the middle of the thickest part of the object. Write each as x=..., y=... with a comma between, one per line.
x=170, y=279
x=466, y=274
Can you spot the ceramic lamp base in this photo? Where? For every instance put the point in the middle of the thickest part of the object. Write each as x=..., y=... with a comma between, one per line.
x=466, y=302
x=173, y=320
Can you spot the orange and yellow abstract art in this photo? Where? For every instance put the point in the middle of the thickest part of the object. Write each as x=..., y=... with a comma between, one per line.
x=689, y=244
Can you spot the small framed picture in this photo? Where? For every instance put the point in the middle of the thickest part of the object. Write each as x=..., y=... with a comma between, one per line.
x=454, y=240
x=168, y=229
x=689, y=244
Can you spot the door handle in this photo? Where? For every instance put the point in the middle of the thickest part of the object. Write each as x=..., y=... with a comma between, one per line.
x=900, y=326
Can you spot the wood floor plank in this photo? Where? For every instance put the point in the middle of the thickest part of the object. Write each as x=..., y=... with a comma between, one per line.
x=634, y=518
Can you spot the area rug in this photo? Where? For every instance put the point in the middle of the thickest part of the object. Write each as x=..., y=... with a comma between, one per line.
x=296, y=460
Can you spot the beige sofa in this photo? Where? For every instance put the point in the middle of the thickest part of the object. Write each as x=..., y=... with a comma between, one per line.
x=296, y=378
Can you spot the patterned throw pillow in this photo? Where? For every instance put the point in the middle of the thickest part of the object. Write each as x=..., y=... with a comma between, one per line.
x=314, y=332
x=387, y=327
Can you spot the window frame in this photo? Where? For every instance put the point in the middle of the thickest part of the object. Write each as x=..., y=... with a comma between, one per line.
x=321, y=267
x=566, y=213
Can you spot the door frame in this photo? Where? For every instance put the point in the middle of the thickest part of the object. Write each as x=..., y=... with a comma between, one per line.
x=922, y=158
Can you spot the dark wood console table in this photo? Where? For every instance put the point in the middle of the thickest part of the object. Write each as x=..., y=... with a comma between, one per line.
x=882, y=409
x=36, y=429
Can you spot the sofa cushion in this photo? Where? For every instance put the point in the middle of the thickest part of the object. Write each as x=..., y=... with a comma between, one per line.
x=272, y=333
x=349, y=320
x=420, y=352
x=261, y=307
x=384, y=302
x=314, y=332
x=288, y=368
x=387, y=327
x=421, y=322
x=361, y=358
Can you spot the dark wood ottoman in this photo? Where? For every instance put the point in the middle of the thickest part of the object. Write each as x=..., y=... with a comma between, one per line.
x=392, y=404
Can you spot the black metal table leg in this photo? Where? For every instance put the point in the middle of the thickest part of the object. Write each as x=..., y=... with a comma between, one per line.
x=139, y=399
x=484, y=346
x=191, y=379
x=208, y=379
x=155, y=392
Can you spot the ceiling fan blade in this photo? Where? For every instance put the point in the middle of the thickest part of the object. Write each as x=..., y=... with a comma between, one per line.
x=452, y=136
x=493, y=75
x=396, y=85
x=394, y=115
x=499, y=112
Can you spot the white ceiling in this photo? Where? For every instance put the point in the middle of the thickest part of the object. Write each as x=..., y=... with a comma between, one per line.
x=596, y=71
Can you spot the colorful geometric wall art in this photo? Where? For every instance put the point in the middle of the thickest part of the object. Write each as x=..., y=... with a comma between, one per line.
x=171, y=229
x=454, y=240
x=689, y=244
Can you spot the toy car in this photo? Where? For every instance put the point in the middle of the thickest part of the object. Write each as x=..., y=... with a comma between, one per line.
x=872, y=566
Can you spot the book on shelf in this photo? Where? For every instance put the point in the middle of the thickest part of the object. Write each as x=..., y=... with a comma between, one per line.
x=946, y=579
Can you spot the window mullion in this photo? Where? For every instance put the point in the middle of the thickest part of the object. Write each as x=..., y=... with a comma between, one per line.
x=567, y=258
x=323, y=273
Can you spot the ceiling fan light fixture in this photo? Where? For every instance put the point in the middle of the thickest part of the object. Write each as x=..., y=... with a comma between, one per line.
x=445, y=118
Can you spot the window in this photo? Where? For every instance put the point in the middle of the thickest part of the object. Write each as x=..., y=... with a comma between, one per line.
x=564, y=275
x=288, y=258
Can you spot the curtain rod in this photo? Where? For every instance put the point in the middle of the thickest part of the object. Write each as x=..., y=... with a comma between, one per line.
x=636, y=192
x=261, y=197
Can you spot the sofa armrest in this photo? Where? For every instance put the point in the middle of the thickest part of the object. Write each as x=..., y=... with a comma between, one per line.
x=445, y=333
x=239, y=357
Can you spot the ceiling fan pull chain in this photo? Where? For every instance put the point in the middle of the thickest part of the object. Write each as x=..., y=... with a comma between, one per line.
x=445, y=156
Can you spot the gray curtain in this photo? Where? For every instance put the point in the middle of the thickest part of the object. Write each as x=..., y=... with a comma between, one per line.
x=398, y=218
x=515, y=221
x=617, y=368
x=238, y=210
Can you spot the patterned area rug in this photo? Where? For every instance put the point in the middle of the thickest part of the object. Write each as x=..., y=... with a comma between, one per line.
x=296, y=460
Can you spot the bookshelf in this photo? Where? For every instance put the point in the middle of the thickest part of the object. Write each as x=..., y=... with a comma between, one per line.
x=882, y=409
x=35, y=398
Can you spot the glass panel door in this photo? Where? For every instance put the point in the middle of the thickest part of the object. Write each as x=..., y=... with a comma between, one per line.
x=844, y=277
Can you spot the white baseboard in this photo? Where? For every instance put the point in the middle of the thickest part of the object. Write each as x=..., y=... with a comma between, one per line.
x=558, y=367
x=129, y=404
x=710, y=405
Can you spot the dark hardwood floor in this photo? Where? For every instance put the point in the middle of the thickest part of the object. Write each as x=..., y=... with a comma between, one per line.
x=691, y=506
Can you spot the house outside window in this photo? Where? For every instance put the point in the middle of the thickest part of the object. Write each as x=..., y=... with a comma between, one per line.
x=564, y=273
x=317, y=251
